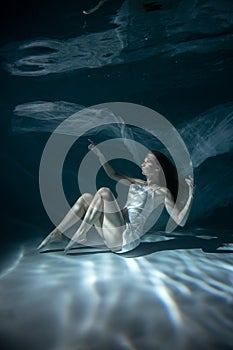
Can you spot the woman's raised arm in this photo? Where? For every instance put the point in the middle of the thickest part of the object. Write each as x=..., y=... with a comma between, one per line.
x=179, y=216
x=110, y=171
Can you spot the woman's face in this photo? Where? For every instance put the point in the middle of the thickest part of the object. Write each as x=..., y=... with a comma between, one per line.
x=150, y=165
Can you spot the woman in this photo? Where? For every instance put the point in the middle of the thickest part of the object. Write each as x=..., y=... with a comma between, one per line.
x=121, y=229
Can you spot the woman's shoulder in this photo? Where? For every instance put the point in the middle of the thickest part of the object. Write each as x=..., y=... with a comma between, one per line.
x=140, y=182
x=159, y=190
x=132, y=181
x=164, y=190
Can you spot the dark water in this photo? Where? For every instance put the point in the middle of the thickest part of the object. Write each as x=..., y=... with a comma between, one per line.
x=174, y=289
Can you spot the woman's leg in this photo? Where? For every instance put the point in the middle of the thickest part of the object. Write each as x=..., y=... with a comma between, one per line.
x=105, y=211
x=72, y=217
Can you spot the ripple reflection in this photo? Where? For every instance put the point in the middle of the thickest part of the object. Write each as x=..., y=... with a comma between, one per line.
x=170, y=299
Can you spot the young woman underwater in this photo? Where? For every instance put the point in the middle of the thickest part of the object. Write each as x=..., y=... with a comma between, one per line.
x=121, y=229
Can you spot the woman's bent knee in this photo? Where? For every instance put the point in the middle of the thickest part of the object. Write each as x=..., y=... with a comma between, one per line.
x=105, y=192
x=85, y=199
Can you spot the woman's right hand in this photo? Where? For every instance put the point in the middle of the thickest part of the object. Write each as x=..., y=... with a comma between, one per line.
x=92, y=147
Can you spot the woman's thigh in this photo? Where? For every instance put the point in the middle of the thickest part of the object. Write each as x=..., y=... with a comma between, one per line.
x=112, y=221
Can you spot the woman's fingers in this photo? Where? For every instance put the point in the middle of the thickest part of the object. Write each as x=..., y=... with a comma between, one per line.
x=189, y=180
x=91, y=141
x=190, y=183
x=91, y=145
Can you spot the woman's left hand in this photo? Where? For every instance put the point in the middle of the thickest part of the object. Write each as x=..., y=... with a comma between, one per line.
x=190, y=183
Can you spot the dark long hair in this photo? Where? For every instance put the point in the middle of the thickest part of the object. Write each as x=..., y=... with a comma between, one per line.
x=170, y=172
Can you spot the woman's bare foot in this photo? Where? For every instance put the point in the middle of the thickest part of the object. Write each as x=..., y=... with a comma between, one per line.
x=54, y=236
x=81, y=240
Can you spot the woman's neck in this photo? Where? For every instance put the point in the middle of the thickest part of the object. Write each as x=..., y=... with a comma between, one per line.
x=152, y=180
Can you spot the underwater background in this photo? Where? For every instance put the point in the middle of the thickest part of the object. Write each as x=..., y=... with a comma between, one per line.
x=177, y=59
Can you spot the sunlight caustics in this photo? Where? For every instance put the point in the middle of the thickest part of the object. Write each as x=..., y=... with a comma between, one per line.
x=114, y=299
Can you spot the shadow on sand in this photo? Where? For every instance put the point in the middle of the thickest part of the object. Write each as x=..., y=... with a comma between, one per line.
x=183, y=242
x=208, y=245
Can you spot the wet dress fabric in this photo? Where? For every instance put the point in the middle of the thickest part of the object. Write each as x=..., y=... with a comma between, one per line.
x=139, y=205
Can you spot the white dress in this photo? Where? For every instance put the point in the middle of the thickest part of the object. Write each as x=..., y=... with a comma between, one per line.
x=139, y=205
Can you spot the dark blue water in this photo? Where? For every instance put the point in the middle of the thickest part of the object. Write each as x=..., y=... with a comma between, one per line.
x=178, y=61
